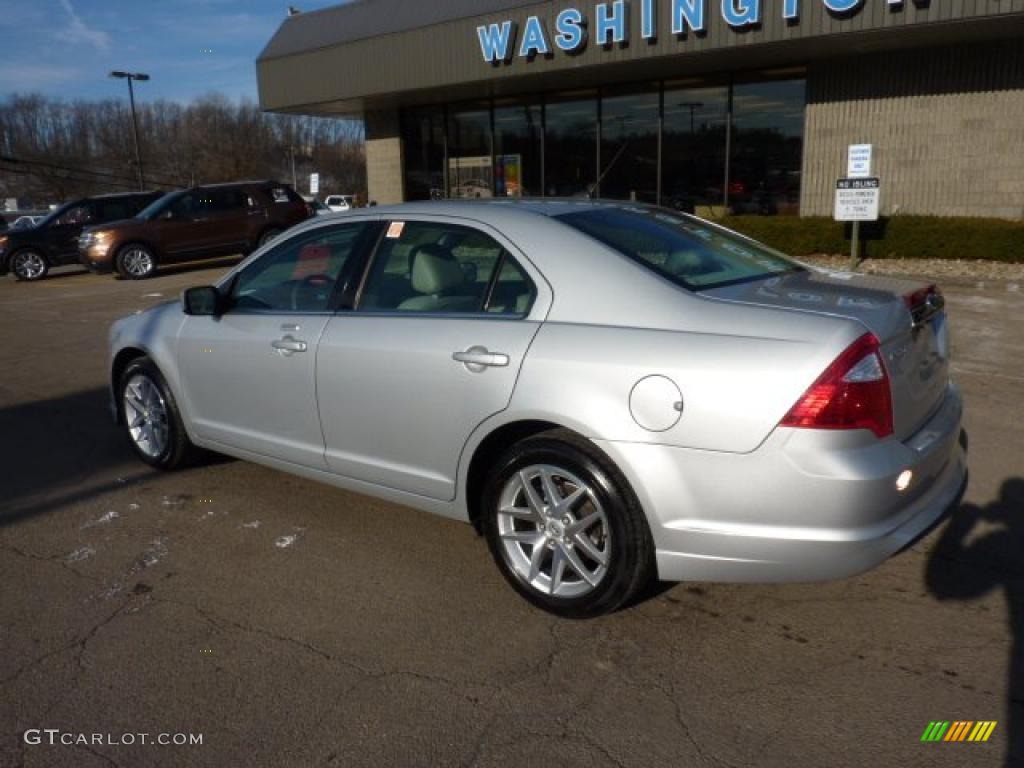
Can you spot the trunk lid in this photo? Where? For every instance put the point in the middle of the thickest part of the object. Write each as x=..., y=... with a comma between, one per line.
x=913, y=332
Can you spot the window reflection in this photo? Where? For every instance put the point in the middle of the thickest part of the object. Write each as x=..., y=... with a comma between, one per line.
x=629, y=147
x=570, y=150
x=470, y=171
x=423, y=133
x=518, y=138
x=693, y=149
x=767, y=142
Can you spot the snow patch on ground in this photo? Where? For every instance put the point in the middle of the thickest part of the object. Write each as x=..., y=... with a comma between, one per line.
x=107, y=517
x=156, y=552
x=252, y=526
x=288, y=540
x=80, y=554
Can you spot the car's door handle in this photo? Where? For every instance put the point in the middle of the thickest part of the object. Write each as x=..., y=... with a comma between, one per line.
x=478, y=358
x=289, y=345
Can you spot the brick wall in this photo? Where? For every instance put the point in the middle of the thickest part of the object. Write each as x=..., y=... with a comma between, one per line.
x=947, y=125
x=384, y=157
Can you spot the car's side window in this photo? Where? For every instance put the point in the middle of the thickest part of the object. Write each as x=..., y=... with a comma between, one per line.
x=80, y=214
x=299, y=274
x=443, y=268
x=512, y=292
x=226, y=201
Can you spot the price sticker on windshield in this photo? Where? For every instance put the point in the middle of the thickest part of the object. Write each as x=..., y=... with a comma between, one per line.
x=396, y=229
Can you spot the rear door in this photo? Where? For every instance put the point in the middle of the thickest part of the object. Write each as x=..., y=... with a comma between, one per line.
x=249, y=375
x=227, y=215
x=434, y=347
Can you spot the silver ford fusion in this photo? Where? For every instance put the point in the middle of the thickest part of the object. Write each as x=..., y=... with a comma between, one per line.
x=608, y=392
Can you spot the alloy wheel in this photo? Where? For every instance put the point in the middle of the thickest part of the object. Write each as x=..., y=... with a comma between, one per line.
x=137, y=262
x=28, y=265
x=554, y=532
x=145, y=413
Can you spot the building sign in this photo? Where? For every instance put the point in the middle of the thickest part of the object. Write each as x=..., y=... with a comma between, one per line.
x=609, y=24
x=858, y=161
x=857, y=199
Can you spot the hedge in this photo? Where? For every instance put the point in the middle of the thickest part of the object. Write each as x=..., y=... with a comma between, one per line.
x=909, y=237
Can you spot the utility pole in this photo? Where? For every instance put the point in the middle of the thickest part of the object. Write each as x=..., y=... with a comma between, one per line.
x=130, y=76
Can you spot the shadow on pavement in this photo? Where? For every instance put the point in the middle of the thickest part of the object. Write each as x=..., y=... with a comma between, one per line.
x=59, y=451
x=965, y=564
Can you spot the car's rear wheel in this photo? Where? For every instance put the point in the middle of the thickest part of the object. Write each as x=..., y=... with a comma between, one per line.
x=29, y=265
x=136, y=262
x=565, y=528
x=151, y=417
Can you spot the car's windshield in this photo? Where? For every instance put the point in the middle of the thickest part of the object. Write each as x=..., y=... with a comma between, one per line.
x=155, y=208
x=683, y=249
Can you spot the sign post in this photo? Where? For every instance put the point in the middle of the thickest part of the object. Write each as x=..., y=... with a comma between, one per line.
x=314, y=183
x=857, y=196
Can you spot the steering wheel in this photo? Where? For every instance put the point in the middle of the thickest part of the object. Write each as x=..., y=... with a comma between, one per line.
x=317, y=282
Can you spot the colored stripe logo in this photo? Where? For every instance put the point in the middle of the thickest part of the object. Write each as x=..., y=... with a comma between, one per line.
x=959, y=730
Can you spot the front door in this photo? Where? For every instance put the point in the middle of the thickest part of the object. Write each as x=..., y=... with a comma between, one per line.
x=62, y=235
x=248, y=376
x=432, y=350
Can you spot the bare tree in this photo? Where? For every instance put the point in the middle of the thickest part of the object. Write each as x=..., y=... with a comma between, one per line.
x=52, y=150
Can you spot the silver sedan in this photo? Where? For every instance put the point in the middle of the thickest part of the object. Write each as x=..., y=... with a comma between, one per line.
x=609, y=392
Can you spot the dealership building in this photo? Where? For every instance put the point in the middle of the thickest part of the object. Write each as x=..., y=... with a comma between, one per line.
x=745, y=105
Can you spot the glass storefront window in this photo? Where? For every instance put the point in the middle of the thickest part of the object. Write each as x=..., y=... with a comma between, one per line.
x=470, y=168
x=767, y=147
x=693, y=149
x=570, y=149
x=518, y=141
x=423, y=141
x=722, y=148
x=629, y=147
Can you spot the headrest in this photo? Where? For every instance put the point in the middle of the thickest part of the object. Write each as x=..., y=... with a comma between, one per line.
x=684, y=262
x=435, y=270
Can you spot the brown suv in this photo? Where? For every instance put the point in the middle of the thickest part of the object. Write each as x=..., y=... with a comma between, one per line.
x=198, y=223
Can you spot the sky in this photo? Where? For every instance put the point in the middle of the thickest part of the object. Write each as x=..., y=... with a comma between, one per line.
x=190, y=48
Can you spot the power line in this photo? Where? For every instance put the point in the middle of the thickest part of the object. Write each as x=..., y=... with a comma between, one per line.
x=80, y=171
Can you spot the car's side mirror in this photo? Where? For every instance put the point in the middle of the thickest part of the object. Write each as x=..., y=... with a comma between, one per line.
x=204, y=301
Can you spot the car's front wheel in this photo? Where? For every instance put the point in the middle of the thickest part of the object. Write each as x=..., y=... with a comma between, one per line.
x=29, y=265
x=136, y=262
x=565, y=528
x=151, y=418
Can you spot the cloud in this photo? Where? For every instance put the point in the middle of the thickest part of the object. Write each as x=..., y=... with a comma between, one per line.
x=78, y=32
x=28, y=77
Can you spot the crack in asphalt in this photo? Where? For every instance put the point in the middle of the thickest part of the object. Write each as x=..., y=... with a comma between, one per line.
x=221, y=622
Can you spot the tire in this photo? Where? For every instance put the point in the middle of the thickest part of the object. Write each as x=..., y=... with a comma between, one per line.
x=29, y=265
x=151, y=419
x=615, y=549
x=135, y=261
x=267, y=236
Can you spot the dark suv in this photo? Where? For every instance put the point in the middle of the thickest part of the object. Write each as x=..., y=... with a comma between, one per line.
x=198, y=223
x=29, y=253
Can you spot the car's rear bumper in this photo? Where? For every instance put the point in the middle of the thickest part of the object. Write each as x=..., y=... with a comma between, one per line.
x=805, y=506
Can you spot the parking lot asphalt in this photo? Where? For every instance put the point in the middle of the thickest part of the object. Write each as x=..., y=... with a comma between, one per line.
x=292, y=624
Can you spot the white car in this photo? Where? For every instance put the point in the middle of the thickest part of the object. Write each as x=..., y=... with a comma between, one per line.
x=339, y=202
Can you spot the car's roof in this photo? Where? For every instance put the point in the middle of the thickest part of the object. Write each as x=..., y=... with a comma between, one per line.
x=111, y=195
x=499, y=208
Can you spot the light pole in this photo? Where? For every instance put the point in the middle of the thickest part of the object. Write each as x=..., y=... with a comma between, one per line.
x=130, y=76
x=693, y=106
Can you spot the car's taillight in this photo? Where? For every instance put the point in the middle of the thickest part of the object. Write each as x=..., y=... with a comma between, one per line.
x=852, y=393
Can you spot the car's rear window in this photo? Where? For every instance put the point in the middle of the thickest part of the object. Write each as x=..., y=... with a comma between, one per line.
x=683, y=249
